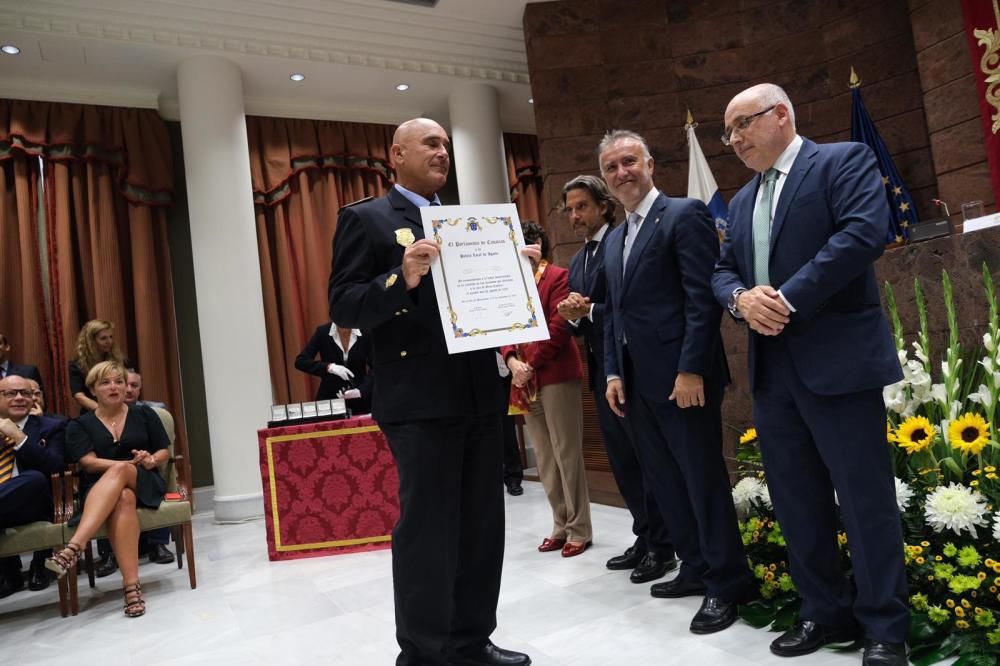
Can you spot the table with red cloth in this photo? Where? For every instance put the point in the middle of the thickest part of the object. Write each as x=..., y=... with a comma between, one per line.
x=329, y=488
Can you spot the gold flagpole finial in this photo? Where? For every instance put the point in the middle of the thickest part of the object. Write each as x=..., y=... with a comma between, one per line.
x=855, y=81
x=690, y=121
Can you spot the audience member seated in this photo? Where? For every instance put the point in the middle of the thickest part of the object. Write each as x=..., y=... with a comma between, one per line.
x=344, y=366
x=8, y=367
x=95, y=343
x=31, y=448
x=550, y=372
x=119, y=448
x=154, y=542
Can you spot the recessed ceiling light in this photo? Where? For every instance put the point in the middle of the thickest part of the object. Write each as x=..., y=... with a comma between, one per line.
x=10, y=49
x=402, y=87
x=531, y=100
x=297, y=77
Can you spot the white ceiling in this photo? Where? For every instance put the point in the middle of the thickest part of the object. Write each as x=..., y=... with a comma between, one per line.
x=352, y=52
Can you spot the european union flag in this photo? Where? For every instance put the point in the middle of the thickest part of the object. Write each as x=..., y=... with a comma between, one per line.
x=901, y=207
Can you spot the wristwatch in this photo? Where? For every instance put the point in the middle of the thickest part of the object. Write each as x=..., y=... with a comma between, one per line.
x=732, y=302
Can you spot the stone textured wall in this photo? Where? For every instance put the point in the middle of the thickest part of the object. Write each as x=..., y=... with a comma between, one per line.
x=951, y=104
x=602, y=64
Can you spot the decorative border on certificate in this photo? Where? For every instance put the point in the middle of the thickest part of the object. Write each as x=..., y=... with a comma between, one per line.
x=475, y=224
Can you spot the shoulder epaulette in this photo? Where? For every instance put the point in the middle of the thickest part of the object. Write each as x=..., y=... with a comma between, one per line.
x=355, y=203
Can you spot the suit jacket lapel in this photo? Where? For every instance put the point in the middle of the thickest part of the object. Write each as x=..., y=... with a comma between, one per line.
x=800, y=167
x=33, y=428
x=745, y=215
x=596, y=262
x=410, y=212
x=615, y=241
x=646, y=229
x=576, y=277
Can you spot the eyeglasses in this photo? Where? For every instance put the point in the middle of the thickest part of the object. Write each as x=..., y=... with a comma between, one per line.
x=13, y=393
x=742, y=124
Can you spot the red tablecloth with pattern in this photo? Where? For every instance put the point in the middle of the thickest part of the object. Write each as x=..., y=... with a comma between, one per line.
x=329, y=488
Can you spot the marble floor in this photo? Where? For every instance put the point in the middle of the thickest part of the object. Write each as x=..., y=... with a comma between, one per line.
x=338, y=610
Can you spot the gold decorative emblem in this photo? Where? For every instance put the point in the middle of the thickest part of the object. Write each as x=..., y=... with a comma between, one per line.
x=391, y=280
x=405, y=237
x=989, y=64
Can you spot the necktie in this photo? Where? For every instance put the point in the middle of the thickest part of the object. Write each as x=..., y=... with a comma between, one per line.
x=6, y=461
x=588, y=254
x=633, y=230
x=762, y=229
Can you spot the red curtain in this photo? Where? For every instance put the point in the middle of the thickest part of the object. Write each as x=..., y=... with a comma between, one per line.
x=107, y=182
x=524, y=172
x=303, y=172
x=982, y=32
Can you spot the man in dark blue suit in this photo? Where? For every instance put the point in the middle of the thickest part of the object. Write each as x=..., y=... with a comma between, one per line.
x=31, y=448
x=591, y=211
x=797, y=266
x=440, y=413
x=666, y=372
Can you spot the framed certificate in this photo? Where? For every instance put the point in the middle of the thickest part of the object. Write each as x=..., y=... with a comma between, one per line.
x=485, y=289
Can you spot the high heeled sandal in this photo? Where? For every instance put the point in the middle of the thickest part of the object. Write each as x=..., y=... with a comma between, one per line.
x=137, y=605
x=60, y=562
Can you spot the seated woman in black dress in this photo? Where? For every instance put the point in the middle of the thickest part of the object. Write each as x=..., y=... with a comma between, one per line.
x=119, y=447
x=344, y=365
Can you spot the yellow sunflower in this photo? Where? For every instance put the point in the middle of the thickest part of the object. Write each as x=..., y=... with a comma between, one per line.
x=915, y=434
x=749, y=436
x=969, y=433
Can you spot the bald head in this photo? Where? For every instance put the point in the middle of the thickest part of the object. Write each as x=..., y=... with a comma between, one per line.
x=760, y=123
x=420, y=156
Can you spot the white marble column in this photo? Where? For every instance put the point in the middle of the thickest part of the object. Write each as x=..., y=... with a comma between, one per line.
x=477, y=141
x=227, y=278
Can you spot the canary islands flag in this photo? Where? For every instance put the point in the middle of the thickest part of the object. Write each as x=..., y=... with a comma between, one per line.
x=903, y=213
x=701, y=182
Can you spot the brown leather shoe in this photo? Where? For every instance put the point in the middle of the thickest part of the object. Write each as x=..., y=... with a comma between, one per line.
x=574, y=549
x=548, y=545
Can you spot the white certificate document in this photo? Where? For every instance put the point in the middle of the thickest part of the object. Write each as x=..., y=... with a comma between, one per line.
x=485, y=289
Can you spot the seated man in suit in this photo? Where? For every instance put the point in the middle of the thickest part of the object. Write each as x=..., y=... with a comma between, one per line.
x=798, y=268
x=31, y=448
x=591, y=212
x=344, y=365
x=8, y=367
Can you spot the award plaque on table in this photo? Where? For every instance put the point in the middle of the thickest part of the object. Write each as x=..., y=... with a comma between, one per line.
x=485, y=289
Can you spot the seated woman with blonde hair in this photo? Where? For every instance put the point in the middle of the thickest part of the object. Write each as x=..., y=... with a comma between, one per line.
x=119, y=447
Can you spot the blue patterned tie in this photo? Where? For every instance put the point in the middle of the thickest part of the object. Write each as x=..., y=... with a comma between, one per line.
x=762, y=229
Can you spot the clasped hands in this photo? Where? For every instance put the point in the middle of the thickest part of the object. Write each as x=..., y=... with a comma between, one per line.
x=574, y=307
x=763, y=309
x=145, y=459
x=417, y=259
x=689, y=391
x=9, y=432
x=521, y=372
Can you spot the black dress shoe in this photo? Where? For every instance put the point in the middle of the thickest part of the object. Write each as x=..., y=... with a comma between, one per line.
x=884, y=654
x=38, y=576
x=10, y=584
x=714, y=615
x=652, y=567
x=630, y=559
x=806, y=637
x=106, y=566
x=678, y=587
x=160, y=554
x=514, y=488
x=491, y=655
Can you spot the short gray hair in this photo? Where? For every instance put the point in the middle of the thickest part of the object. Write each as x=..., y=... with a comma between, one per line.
x=616, y=135
x=772, y=94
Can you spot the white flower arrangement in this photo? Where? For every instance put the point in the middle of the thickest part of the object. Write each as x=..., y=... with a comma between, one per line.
x=903, y=494
x=955, y=507
x=749, y=491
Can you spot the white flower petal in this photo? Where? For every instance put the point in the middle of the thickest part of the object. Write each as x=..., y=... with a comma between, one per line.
x=955, y=508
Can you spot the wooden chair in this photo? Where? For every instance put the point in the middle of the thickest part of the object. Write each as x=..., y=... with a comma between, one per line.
x=175, y=514
x=41, y=535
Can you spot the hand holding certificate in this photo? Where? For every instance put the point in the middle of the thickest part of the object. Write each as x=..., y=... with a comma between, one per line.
x=485, y=289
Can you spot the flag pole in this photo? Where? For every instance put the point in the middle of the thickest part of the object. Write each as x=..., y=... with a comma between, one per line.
x=855, y=81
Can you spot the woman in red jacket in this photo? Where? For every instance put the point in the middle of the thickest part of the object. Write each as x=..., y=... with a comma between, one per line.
x=548, y=374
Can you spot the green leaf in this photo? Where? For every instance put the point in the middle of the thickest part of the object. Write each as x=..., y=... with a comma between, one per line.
x=950, y=463
x=921, y=629
x=947, y=648
x=786, y=617
x=757, y=614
